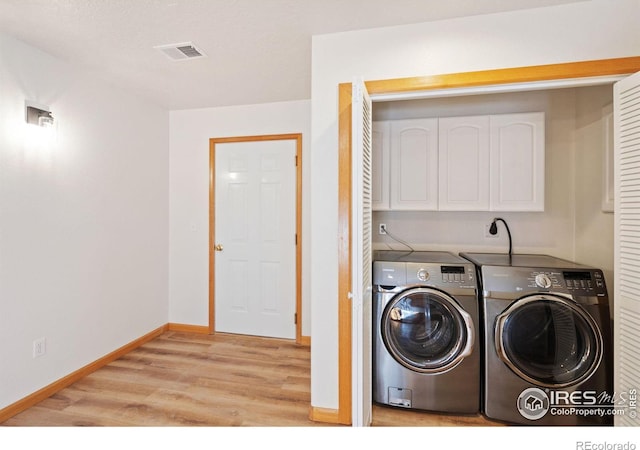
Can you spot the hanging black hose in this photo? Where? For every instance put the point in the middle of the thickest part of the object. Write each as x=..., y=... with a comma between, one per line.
x=493, y=229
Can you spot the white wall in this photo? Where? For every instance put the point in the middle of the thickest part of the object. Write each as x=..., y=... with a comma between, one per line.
x=589, y=30
x=594, y=229
x=83, y=220
x=190, y=131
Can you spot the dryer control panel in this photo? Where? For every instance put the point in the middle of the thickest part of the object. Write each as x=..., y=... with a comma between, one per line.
x=585, y=282
x=575, y=282
x=581, y=282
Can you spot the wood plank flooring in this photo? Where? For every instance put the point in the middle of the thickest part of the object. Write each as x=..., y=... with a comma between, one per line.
x=182, y=379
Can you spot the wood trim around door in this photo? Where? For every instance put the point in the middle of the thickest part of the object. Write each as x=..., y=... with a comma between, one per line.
x=583, y=69
x=344, y=253
x=303, y=340
x=549, y=72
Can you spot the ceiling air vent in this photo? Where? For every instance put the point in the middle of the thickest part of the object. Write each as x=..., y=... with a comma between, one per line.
x=181, y=52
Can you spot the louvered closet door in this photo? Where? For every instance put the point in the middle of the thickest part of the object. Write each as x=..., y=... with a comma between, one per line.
x=627, y=242
x=361, y=254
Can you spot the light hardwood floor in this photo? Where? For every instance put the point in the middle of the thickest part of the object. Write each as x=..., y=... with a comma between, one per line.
x=182, y=379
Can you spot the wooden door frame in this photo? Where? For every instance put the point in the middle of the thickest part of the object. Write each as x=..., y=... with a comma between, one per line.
x=212, y=221
x=530, y=74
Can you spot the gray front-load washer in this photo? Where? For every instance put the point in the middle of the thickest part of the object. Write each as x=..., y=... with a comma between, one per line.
x=425, y=332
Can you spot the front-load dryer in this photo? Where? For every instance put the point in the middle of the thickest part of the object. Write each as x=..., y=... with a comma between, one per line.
x=547, y=341
x=425, y=332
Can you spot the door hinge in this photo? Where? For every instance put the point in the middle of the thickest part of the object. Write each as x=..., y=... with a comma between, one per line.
x=296, y=238
x=295, y=318
x=296, y=158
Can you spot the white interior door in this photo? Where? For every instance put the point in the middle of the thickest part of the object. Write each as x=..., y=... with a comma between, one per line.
x=626, y=111
x=255, y=238
x=361, y=254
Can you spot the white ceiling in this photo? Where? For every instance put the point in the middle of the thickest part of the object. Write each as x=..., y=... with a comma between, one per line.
x=257, y=51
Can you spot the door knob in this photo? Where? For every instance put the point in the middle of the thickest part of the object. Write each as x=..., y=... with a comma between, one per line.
x=218, y=247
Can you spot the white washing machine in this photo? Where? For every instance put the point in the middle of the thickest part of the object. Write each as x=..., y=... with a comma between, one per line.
x=547, y=340
x=426, y=353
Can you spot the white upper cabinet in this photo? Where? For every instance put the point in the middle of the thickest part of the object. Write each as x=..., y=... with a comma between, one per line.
x=380, y=141
x=414, y=164
x=475, y=163
x=517, y=162
x=463, y=163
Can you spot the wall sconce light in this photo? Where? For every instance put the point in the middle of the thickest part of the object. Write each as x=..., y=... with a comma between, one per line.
x=39, y=117
x=40, y=129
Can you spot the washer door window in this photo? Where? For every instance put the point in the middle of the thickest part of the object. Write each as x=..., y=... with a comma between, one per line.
x=549, y=341
x=426, y=330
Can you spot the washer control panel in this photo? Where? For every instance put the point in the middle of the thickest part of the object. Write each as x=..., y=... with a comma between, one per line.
x=443, y=276
x=440, y=275
x=423, y=275
x=452, y=274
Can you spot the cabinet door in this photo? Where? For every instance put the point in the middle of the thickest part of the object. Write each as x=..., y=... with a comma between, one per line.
x=414, y=164
x=463, y=163
x=517, y=162
x=380, y=166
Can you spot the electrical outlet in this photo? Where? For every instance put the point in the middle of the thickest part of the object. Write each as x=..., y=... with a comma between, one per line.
x=39, y=347
x=488, y=235
x=382, y=228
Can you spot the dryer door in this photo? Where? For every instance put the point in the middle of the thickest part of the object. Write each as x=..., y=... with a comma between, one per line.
x=548, y=340
x=426, y=330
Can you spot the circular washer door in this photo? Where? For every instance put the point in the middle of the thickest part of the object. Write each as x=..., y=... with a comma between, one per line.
x=426, y=330
x=549, y=341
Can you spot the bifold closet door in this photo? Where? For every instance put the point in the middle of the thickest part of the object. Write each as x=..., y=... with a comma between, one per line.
x=626, y=106
x=361, y=285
